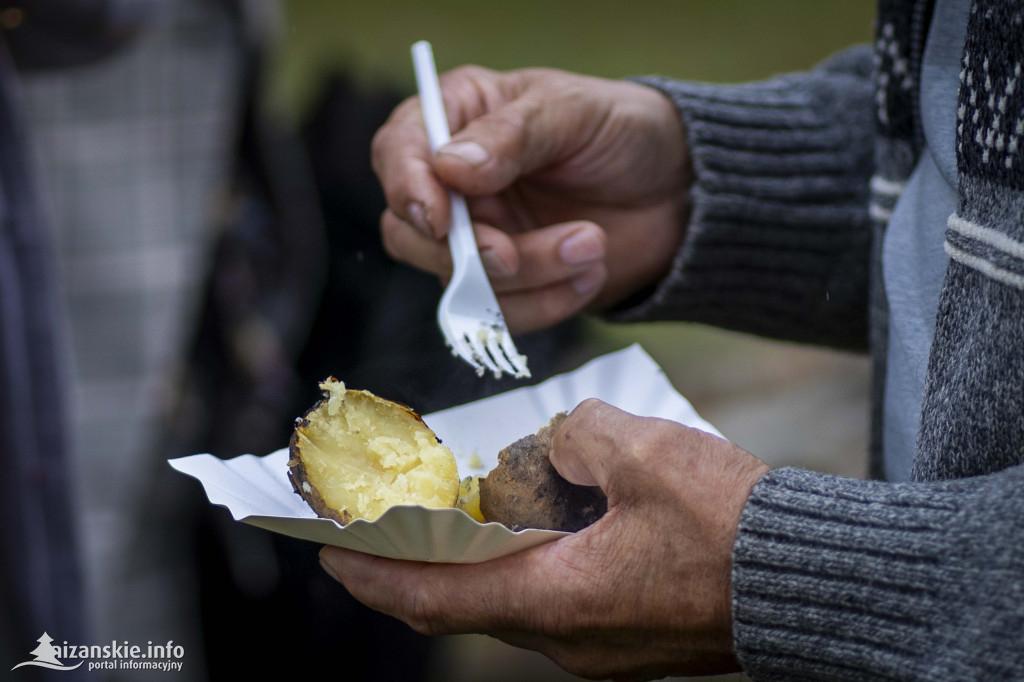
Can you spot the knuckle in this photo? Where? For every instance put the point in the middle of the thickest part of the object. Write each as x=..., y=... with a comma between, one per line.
x=653, y=438
x=465, y=91
x=584, y=420
x=561, y=304
x=378, y=149
x=589, y=409
x=549, y=310
x=466, y=72
x=388, y=137
x=383, y=141
x=595, y=232
x=582, y=417
x=659, y=445
x=388, y=232
x=422, y=614
x=661, y=432
x=512, y=127
x=591, y=412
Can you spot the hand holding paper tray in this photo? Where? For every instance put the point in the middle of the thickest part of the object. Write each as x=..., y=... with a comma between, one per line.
x=256, y=489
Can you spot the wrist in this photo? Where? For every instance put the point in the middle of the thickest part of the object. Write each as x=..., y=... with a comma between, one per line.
x=647, y=250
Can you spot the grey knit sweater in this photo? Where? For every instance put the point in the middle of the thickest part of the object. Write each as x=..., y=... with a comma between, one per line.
x=842, y=579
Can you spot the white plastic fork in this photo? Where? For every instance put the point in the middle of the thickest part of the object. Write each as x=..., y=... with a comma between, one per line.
x=469, y=315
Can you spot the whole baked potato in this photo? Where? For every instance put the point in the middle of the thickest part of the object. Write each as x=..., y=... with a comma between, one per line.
x=525, y=490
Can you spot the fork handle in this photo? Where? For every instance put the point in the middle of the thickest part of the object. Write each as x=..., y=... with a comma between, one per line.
x=460, y=235
x=461, y=239
x=430, y=95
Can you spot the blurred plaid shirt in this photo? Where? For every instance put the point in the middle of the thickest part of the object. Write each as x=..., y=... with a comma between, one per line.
x=132, y=153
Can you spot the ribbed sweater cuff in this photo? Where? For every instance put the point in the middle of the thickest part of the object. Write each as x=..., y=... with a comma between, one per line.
x=840, y=579
x=781, y=178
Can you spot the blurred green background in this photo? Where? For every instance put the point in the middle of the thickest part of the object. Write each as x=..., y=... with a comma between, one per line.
x=713, y=40
x=788, y=405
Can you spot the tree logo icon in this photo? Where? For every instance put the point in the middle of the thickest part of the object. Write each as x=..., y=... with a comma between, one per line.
x=46, y=656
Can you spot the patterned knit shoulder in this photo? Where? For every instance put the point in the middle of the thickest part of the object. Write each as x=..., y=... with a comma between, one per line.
x=990, y=112
x=972, y=419
x=987, y=231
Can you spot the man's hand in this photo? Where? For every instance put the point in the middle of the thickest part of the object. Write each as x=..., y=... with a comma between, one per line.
x=642, y=593
x=577, y=187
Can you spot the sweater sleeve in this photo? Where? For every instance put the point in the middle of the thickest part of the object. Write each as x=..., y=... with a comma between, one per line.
x=843, y=579
x=778, y=242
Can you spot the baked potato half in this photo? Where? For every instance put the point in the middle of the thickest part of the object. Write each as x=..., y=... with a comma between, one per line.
x=355, y=455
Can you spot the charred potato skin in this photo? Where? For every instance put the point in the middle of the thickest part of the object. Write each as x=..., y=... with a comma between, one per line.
x=525, y=490
x=300, y=481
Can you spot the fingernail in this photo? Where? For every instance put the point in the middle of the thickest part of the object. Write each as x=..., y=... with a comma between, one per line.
x=586, y=282
x=493, y=264
x=582, y=246
x=470, y=152
x=328, y=570
x=418, y=216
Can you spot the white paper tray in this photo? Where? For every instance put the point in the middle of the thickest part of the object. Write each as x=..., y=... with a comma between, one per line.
x=256, y=490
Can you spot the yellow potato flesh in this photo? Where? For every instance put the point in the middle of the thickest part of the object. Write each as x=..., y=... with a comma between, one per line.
x=366, y=455
x=469, y=497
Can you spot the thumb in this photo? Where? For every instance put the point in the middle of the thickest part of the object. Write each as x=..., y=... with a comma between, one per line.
x=587, y=448
x=493, y=151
